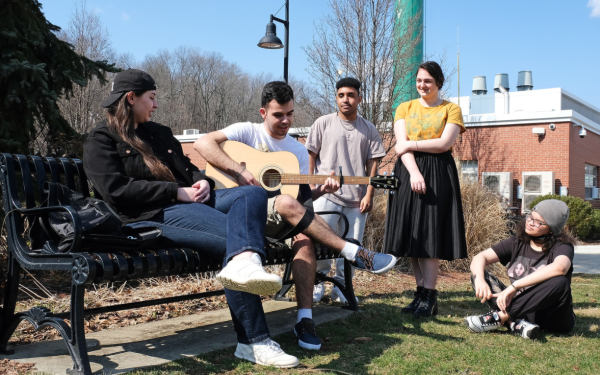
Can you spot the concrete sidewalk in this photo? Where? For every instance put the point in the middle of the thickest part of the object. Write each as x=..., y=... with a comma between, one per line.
x=123, y=349
x=587, y=259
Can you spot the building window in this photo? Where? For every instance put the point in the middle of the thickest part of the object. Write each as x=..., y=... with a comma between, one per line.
x=591, y=181
x=469, y=169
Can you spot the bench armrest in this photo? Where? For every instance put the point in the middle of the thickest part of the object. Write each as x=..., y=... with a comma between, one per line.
x=74, y=216
x=341, y=215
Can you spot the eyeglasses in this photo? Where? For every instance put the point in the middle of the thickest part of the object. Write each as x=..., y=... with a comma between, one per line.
x=536, y=223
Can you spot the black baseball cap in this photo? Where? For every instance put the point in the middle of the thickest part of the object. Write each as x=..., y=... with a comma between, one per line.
x=128, y=80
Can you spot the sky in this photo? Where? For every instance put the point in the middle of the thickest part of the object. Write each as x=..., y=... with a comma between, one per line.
x=558, y=40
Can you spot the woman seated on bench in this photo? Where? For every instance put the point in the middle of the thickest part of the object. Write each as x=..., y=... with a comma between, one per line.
x=139, y=168
x=539, y=260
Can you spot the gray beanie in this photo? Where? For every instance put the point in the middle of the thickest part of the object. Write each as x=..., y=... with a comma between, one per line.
x=554, y=212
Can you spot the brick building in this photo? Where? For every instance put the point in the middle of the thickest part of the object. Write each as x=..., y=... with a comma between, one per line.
x=548, y=130
x=519, y=132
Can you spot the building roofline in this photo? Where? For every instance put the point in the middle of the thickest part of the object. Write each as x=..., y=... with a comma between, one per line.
x=576, y=98
x=523, y=118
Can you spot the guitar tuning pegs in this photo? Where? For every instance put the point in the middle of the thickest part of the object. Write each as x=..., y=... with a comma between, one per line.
x=385, y=173
x=392, y=173
x=378, y=185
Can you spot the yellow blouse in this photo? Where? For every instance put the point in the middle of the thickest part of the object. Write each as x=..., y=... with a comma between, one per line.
x=424, y=123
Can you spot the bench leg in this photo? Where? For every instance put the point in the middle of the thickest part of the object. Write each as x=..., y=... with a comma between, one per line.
x=348, y=290
x=7, y=313
x=346, y=287
x=77, y=344
x=287, y=274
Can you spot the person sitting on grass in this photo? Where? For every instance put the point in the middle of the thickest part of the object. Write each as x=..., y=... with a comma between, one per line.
x=540, y=264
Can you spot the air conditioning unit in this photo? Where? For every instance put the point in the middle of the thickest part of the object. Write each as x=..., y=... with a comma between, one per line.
x=191, y=131
x=534, y=185
x=500, y=183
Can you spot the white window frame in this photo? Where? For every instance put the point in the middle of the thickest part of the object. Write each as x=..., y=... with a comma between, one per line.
x=470, y=169
x=591, y=180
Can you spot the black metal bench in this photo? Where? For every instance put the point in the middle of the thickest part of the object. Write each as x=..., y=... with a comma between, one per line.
x=23, y=178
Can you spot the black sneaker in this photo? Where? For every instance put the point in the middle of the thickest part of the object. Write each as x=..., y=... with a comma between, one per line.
x=307, y=335
x=483, y=323
x=525, y=329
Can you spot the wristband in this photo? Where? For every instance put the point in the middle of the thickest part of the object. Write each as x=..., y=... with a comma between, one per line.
x=513, y=285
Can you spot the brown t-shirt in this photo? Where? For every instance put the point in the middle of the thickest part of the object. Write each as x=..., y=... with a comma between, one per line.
x=348, y=144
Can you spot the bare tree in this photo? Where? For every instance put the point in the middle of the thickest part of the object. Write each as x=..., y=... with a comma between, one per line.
x=362, y=38
x=90, y=39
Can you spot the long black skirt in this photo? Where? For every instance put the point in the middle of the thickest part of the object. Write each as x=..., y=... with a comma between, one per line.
x=429, y=225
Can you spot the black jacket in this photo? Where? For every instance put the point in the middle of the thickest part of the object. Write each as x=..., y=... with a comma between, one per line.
x=121, y=178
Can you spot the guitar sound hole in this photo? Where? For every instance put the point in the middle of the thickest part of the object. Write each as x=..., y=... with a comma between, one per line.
x=271, y=178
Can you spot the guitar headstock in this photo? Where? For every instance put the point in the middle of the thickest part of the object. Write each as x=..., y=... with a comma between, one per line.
x=384, y=182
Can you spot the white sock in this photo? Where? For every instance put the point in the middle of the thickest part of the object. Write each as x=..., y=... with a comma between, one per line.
x=304, y=313
x=349, y=251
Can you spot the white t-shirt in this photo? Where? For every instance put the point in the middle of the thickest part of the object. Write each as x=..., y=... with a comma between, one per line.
x=255, y=135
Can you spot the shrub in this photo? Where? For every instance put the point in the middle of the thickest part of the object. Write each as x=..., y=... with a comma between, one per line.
x=584, y=221
x=486, y=224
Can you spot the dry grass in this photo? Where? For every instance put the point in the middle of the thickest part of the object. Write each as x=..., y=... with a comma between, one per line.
x=485, y=225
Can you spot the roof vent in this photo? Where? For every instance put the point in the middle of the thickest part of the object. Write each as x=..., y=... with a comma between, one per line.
x=479, y=85
x=501, y=80
x=525, y=82
x=191, y=131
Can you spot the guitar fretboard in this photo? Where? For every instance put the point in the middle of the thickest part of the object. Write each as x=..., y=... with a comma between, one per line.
x=296, y=179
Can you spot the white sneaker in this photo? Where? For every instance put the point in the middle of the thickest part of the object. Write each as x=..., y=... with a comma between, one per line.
x=248, y=275
x=525, y=329
x=318, y=292
x=337, y=296
x=266, y=353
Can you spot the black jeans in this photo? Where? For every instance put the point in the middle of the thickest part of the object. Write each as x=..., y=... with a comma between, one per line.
x=548, y=304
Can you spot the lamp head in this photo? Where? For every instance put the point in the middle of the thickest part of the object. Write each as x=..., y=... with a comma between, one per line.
x=270, y=40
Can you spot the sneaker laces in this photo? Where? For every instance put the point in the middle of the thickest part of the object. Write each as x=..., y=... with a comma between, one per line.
x=366, y=257
x=308, y=326
x=270, y=345
x=490, y=319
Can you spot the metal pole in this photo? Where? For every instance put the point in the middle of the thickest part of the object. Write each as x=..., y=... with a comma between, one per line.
x=287, y=40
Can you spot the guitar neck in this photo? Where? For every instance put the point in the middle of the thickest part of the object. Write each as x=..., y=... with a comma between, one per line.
x=297, y=179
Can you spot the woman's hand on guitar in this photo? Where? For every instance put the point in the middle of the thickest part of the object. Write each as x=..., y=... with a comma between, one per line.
x=203, y=191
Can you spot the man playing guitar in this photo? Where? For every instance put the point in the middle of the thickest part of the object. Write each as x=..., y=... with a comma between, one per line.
x=286, y=214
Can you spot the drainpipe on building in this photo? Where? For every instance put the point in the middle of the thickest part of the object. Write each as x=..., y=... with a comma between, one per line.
x=505, y=94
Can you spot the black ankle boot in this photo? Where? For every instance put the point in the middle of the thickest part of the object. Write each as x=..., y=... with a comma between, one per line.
x=428, y=305
x=412, y=307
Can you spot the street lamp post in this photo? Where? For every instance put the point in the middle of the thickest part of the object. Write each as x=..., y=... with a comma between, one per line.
x=271, y=41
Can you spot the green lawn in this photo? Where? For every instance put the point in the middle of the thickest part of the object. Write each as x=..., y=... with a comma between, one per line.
x=379, y=340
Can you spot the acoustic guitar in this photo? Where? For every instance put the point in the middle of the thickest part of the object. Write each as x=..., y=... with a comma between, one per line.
x=280, y=170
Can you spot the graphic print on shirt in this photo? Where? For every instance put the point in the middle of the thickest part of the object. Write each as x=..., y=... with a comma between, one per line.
x=522, y=267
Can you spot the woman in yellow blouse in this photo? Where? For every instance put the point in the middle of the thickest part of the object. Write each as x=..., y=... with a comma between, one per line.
x=425, y=219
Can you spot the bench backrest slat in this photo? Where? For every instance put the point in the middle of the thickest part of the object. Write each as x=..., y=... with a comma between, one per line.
x=40, y=174
x=53, y=167
x=27, y=180
x=83, y=181
x=68, y=171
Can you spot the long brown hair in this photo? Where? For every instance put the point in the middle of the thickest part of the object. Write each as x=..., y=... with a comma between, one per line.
x=550, y=239
x=120, y=122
